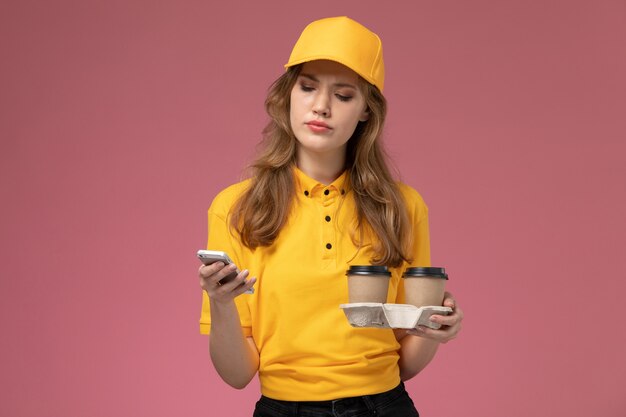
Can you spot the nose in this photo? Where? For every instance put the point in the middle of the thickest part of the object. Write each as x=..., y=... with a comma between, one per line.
x=321, y=105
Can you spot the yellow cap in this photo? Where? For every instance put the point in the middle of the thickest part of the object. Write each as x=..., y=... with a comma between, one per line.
x=343, y=40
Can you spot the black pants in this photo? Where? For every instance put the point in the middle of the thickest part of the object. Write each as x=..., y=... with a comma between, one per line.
x=394, y=403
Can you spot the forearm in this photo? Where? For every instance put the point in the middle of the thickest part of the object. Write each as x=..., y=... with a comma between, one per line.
x=415, y=353
x=234, y=355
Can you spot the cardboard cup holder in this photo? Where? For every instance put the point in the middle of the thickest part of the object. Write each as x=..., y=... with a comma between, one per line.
x=392, y=316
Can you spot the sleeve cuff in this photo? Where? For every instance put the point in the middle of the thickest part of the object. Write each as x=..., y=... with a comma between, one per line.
x=205, y=329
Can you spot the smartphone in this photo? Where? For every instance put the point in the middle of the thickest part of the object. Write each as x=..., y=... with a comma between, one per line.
x=208, y=257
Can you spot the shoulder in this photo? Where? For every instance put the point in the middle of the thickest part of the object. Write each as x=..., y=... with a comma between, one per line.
x=226, y=198
x=415, y=203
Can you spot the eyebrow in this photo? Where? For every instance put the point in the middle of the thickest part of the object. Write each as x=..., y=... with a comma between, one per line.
x=312, y=78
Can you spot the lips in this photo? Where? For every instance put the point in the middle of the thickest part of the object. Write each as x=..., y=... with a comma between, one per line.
x=318, y=123
x=317, y=126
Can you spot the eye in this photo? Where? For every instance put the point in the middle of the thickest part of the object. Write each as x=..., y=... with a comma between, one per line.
x=306, y=88
x=343, y=98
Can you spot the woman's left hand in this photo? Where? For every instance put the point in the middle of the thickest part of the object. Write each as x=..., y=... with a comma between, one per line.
x=451, y=324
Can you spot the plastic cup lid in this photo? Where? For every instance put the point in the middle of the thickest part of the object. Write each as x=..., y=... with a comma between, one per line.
x=368, y=270
x=423, y=271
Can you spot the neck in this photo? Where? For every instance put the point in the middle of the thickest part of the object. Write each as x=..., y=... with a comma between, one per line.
x=322, y=167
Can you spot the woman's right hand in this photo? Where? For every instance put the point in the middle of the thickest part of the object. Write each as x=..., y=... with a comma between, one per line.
x=235, y=356
x=211, y=275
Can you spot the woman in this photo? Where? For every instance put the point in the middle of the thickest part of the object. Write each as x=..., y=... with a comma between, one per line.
x=320, y=199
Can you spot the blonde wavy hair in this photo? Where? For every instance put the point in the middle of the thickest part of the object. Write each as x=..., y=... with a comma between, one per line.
x=262, y=210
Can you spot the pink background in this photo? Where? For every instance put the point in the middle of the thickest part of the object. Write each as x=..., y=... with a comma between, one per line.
x=120, y=120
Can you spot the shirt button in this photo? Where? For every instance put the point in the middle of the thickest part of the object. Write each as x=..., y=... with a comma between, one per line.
x=327, y=218
x=306, y=193
x=326, y=192
x=329, y=246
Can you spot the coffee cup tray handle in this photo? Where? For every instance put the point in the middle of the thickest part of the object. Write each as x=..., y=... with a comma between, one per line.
x=392, y=316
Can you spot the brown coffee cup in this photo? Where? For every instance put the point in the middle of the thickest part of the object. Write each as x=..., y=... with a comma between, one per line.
x=368, y=283
x=424, y=286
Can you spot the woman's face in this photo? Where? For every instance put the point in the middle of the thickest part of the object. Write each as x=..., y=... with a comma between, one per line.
x=326, y=106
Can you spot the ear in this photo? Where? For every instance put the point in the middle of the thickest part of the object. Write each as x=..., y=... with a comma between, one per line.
x=365, y=115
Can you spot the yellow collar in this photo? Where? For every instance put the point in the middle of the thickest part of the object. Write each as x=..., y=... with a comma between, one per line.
x=308, y=187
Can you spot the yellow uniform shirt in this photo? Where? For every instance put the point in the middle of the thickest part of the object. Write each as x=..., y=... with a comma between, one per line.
x=308, y=350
